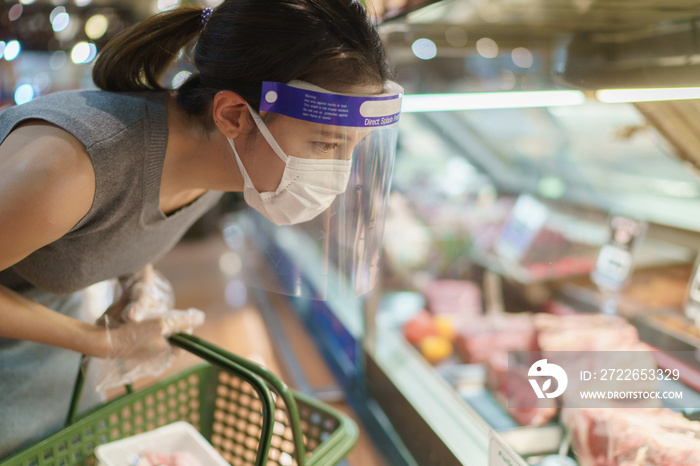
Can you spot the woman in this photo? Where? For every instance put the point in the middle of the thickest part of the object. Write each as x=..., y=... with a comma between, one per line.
x=96, y=185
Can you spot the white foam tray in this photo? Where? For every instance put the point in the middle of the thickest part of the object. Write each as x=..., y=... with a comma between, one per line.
x=178, y=436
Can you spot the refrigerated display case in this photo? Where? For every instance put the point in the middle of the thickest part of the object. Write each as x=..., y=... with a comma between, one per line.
x=527, y=192
x=529, y=127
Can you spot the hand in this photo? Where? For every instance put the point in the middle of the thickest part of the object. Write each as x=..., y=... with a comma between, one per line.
x=141, y=341
x=137, y=326
x=143, y=295
x=140, y=349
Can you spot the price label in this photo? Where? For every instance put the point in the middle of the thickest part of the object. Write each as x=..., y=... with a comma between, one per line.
x=500, y=454
x=522, y=226
x=614, y=262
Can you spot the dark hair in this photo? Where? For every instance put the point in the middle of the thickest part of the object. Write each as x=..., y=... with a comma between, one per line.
x=330, y=43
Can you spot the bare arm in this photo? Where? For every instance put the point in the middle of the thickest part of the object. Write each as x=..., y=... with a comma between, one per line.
x=47, y=185
x=24, y=319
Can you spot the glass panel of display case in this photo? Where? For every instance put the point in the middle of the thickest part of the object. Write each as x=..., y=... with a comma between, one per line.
x=498, y=172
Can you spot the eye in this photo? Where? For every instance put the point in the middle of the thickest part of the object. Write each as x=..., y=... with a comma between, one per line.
x=326, y=147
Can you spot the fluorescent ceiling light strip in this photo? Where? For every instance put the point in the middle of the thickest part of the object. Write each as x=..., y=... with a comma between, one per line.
x=489, y=100
x=647, y=95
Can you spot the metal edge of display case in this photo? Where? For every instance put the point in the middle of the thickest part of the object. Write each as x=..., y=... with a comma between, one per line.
x=425, y=445
x=450, y=419
x=430, y=448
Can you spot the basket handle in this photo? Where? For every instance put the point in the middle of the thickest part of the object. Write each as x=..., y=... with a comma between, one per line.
x=223, y=359
x=189, y=342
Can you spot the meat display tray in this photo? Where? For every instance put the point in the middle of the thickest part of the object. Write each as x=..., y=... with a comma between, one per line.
x=526, y=441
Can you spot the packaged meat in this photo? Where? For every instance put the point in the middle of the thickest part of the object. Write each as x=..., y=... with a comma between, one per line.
x=481, y=336
x=179, y=458
x=546, y=321
x=176, y=444
x=513, y=391
x=457, y=297
x=584, y=332
x=631, y=437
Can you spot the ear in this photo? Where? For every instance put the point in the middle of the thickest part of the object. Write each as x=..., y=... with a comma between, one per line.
x=231, y=114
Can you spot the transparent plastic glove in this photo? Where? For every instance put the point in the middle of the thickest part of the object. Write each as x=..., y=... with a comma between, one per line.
x=141, y=296
x=141, y=349
x=138, y=324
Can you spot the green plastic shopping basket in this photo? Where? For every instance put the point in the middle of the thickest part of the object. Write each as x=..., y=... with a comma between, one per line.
x=247, y=413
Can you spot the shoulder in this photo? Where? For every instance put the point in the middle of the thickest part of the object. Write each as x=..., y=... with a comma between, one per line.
x=52, y=157
x=47, y=185
x=90, y=115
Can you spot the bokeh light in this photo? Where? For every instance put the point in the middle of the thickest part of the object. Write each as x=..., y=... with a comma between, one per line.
x=23, y=94
x=425, y=49
x=15, y=12
x=165, y=5
x=522, y=57
x=96, y=26
x=60, y=21
x=83, y=52
x=487, y=48
x=12, y=50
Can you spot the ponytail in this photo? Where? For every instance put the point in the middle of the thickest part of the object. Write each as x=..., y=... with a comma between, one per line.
x=135, y=59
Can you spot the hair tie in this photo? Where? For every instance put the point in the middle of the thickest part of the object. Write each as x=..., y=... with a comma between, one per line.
x=206, y=14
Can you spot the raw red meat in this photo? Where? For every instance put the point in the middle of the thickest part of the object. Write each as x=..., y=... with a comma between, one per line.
x=179, y=458
x=633, y=437
x=460, y=297
x=514, y=392
x=584, y=332
x=480, y=337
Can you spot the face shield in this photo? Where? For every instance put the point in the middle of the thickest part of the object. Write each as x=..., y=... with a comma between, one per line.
x=319, y=234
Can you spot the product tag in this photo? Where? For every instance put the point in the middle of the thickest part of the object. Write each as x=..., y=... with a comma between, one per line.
x=614, y=262
x=500, y=454
x=521, y=228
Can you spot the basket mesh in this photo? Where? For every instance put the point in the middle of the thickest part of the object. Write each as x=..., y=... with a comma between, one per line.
x=238, y=419
x=135, y=413
x=222, y=406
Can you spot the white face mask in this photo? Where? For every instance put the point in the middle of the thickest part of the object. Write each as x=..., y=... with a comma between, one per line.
x=308, y=186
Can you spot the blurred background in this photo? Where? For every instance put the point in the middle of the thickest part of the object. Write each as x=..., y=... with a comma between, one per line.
x=534, y=135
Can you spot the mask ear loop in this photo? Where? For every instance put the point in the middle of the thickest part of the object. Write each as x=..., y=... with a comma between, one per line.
x=241, y=168
x=267, y=135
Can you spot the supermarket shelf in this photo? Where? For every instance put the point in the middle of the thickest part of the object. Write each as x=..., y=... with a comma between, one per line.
x=526, y=276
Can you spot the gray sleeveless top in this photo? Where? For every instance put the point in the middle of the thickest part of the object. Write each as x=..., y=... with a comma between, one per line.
x=125, y=135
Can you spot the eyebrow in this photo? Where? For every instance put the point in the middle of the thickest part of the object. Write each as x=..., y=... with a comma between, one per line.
x=326, y=133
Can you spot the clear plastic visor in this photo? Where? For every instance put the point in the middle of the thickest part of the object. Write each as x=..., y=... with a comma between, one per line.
x=314, y=141
x=338, y=157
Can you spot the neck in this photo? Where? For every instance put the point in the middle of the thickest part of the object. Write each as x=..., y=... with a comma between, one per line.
x=195, y=161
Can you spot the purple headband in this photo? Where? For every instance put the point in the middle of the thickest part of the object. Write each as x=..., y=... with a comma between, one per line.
x=330, y=109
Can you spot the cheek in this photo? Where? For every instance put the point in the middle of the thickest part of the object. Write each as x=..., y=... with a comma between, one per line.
x=264, y=167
